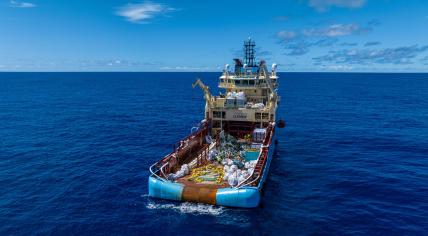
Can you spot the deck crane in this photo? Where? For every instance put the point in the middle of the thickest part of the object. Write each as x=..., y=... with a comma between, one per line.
x=264, y=71
x=206, y=90
x=207, y=95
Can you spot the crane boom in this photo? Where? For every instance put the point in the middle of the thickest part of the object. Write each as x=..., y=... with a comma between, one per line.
x=207, y=94
x=263, y=69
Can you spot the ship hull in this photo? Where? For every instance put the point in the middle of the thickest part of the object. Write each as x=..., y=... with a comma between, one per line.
x=243, y=197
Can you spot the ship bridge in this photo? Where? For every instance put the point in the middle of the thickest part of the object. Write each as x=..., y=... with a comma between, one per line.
x=249, y=98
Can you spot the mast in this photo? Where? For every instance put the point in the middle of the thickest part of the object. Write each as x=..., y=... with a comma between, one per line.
x=249, y=53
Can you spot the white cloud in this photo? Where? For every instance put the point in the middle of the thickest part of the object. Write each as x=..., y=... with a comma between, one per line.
x=22, y=4
x=286, y=35
x=372, y=43
x=298, y=42
x=64, y=64
x=324, y=5
x=339, y=67
x=397, y=55
x=334, y=30
x=142, y=12
x=424, y=60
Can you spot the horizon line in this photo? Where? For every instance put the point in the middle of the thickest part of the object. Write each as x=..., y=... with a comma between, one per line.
x=342, y=72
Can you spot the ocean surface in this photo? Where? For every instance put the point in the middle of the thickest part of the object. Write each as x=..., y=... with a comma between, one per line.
x=75, y=149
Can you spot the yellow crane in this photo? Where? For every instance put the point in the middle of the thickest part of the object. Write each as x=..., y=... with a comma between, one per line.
x=207, y=94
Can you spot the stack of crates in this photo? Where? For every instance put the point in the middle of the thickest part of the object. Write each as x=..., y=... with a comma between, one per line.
x=235, y=99
x=259, y=135
x=230, y=102
x=240, y=102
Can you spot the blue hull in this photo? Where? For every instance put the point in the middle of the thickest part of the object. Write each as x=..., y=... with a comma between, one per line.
x=233, y=197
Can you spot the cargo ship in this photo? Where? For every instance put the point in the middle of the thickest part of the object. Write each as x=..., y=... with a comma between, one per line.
x=225, y=159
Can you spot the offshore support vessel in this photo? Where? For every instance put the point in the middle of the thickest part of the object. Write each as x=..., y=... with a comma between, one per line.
x=225, y=159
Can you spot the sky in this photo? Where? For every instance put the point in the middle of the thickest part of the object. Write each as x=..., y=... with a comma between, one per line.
x=196, y=35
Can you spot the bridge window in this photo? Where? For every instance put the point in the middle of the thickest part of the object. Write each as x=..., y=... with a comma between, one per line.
x=219, y=114
x=265, y=116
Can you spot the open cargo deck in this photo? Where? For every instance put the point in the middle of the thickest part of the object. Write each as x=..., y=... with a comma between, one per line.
x=203, y=174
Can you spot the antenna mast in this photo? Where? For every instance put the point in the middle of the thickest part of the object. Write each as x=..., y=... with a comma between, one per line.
x=249, y=51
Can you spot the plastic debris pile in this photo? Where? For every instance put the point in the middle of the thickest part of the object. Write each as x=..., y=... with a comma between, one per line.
x=210, y=173
x=236, y=175
x=185, y=170
x=230, y=161
x=258, y=106
x=231, y=155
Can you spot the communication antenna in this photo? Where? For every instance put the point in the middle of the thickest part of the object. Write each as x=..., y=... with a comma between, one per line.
x=249, y=53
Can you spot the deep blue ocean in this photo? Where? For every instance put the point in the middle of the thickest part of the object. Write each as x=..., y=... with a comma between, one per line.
x=75, y=149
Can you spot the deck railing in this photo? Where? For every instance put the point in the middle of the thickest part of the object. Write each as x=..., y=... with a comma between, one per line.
x=258, y=170
x=202, y=158
x=167, y=164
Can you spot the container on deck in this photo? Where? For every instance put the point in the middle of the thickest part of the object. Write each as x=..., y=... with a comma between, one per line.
x=240, y=102
x=230, y=102
x=235, y=99
x=259, y=135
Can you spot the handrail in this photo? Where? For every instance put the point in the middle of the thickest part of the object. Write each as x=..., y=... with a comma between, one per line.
x=261, y=153
x=241, y=186
x=203, y=125
x=161, y=169
x=260, y=85
x=153, y=173
x=194, y=128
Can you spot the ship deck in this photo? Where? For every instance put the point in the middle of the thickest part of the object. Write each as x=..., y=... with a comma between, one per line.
x=186, y=182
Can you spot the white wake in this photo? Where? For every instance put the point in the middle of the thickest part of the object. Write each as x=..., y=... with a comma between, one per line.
x=189, y=208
